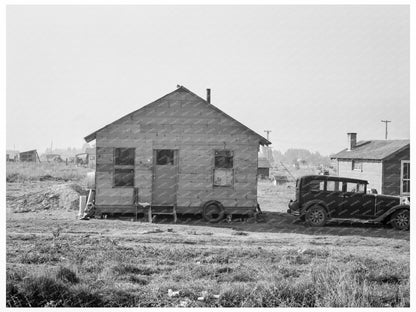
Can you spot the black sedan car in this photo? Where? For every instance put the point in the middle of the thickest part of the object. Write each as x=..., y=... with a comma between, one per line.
x=320, y=198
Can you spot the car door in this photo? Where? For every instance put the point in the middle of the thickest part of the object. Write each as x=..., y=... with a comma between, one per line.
x=333, y=197
x=356, y=204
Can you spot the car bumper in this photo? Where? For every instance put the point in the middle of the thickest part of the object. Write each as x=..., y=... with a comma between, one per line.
x=293, y=208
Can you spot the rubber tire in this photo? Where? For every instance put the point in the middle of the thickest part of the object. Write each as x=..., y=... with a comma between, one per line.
x=221, y=212
x=402, y=226
x=316, y=216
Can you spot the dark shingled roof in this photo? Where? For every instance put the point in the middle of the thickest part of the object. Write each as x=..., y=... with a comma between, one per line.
x=374, y=149
x=263, y=163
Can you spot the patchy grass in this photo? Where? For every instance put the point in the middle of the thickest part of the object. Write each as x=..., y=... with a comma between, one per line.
x=26, y=171
x=54, y=260
x=223, y=269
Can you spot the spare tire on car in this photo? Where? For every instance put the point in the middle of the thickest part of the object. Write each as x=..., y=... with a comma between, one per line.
x=213, y=211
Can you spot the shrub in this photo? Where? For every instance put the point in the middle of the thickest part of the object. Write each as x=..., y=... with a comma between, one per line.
x=67, y=275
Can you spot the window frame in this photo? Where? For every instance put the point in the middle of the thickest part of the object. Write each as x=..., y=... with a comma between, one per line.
x=232, y=170
x=174, y=157
x=125, y=167
x=402, y=163
x=355, y=162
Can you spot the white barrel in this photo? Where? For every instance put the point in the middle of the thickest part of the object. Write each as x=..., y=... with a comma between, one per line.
x=82, y=204
x=91, y=180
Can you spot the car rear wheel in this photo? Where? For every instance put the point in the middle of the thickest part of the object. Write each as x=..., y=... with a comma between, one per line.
x=401, y=219
x=316, y=216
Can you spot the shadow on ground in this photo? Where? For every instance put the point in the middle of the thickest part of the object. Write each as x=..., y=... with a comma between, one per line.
x=277, y=222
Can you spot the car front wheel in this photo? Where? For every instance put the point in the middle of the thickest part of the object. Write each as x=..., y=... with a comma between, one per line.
x=401, y=220
x=316, y=216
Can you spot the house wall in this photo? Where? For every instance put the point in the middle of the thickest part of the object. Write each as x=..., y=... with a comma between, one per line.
x=184, y=122
x=392, y=172
x=372, y=172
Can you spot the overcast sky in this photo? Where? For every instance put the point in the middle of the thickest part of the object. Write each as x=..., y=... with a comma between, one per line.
x=308, y=73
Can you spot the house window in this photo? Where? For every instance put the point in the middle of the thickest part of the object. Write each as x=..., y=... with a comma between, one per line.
x=405, y=177
x=165, y=157
x=357, y=165
x=124, y=167
x=223, y=168
x=124, y=157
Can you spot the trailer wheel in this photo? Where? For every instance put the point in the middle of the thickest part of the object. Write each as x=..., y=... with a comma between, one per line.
x=213, y=211
x=401, y=219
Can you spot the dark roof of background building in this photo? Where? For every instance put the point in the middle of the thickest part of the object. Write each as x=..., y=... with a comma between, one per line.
x=374, y=149
x=263, y=163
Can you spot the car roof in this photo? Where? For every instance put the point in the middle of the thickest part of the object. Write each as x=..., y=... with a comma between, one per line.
x=332, y=178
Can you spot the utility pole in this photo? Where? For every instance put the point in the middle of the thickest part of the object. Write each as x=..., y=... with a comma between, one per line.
x=386, y=122
x=267, y=131
x=268, y=150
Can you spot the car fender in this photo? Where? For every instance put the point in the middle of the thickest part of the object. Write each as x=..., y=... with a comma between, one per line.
x=392, y=210
x=310, y=203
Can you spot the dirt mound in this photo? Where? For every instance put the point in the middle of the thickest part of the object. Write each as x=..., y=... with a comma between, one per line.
x=25, y=197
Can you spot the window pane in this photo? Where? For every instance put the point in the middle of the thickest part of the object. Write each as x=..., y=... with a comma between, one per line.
x=361, y=187
x=406, y=186
x=406, y=171
x=357, y=165
x=316, y=185
x=123, y=177
x=351, y=187
x=165, y=157
x=124, y=156
x=223, y=177
x=223, y=159
x=332, y=186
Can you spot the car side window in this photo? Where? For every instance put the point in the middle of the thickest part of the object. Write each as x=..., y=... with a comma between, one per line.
x=332, y=186
x=351, y=187
x=316, y=185
x=361, y=188
x=355, y=187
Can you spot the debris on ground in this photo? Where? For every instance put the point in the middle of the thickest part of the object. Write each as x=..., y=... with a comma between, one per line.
x=25, y=197
x=172, y=293
x=157, y=230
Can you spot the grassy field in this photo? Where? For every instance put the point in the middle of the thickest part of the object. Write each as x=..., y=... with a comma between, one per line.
x=55, y=260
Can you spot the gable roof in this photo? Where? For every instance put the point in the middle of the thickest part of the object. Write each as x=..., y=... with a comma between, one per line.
x=262, y=140
x=263, y=163
x=374, y=149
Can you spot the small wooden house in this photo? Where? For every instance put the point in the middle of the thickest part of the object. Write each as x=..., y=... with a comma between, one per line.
x=178, y=151
x=29, y=156
x=263, y=170
x=12, y=155
x=385, y=164
x=91, y=157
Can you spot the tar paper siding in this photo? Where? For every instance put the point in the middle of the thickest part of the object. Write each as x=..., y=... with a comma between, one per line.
x=371, y=171
x=392, y=172
x=184, y=122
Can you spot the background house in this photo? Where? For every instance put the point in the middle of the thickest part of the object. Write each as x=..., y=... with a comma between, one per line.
x=179, y=151
x=263, y=170
x=29, y=156
x=12, y=155
x=385, y=164
x=91, y=154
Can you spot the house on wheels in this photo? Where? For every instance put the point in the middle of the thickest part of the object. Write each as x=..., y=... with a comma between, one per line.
x=385, y=164
x=178, y=154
